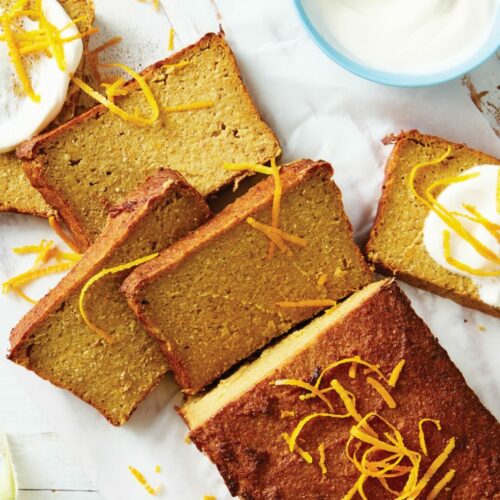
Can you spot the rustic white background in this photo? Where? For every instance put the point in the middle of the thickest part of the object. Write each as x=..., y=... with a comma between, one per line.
x=46, y=469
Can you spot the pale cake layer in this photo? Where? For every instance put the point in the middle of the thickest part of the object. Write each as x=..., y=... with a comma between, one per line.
x=92, y=162
x=53, y=340
x=212, y=299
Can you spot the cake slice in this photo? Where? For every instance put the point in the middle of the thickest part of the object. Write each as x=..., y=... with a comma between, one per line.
x=16, y=192
x=246, y=424
x=215, y=297
x=396, y=244
x=93, y=161
x=54, y=341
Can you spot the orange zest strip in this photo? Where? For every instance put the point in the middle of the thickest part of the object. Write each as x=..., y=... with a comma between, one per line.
x=498, y=192
x=354, y=359
x=238, y=167
x=421, y=435
x=461, y=265
x=441, y=484
x=190, y=106
x=277, y=233
x=453, y=223
x=321, y=451
x=348, y=399
x=430, y=202
x=382, y=391
x=353, y=369
x=396, y=372
x=307, y=303
x=171, y=37
x=322, y=278
x=21, y=294
x=98, y=276
x=433, y=468
x=271, y=234
x=106, y=45
x=275, y=212
x=16, y=58
x=143, y=481
x=304, y=454
x=56, y=226
x=305, y=421
x=308, y=387
x=135, y=118
x=478, y=218
x=34, y=274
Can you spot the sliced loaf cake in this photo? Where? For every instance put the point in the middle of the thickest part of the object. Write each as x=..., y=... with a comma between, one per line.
x=216, y=297
x=93, y=161
x=396, y=244
x=410, y=426
x=16, y=192
x=54, y=341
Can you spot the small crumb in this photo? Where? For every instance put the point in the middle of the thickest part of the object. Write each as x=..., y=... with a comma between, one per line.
x=481, y=328
x=187, y=439
x=287, y=413
x=157, y=469
x=209, y=497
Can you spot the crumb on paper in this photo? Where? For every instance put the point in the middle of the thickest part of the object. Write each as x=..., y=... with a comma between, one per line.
x=481, y=328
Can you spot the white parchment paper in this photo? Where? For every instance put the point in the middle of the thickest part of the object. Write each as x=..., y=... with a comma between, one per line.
x=318, y=110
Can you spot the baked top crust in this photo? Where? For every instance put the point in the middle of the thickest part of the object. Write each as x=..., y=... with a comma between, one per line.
x=239, y=423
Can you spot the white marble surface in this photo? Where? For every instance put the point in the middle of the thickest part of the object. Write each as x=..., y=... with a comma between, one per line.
x=318, y=111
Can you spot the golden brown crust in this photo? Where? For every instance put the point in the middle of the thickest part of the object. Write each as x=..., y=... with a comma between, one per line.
x=32, y=151
x=399, y=142
x=34, y=172
x=243, y=437
x=124, y=220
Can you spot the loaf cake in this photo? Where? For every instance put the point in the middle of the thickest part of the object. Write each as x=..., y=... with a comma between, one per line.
x=216, y=297
x=54, y=341
x=16, y=192
x=92, y=162
x=373, y=344
x=396, y=244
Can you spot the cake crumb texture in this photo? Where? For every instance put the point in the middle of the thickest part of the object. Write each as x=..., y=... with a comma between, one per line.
x=211, y=299
x=53, y=340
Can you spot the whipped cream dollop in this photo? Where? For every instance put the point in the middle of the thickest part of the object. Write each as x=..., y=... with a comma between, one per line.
x=406, y=36
x=481, y=193
x=20, y=117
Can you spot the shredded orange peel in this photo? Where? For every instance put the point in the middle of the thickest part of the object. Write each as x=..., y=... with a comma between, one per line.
x=379, y=456
x=45, y=251
x=189, y=106
x=46, y=39
x=421, y=435
x=141, y=479
x=277, y=236
x=135, y=117
x=451, y=218
x=273, y=170
x=101, y=274
x=171, y=39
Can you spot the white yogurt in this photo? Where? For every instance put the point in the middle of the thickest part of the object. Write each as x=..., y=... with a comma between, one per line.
x=481, y=193
x=406, y=36
x=20, y=117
